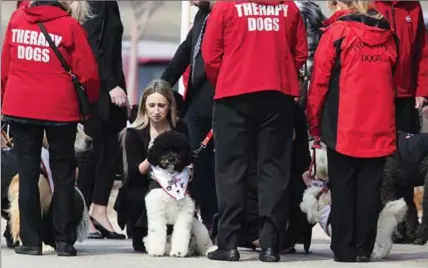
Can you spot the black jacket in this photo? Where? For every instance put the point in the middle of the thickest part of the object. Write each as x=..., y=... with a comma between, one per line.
x=105, y=31
x=199, y=94
x=130, y=200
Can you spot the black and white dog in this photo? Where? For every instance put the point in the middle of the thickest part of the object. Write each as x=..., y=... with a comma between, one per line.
x=406, y=169
x=169, y=203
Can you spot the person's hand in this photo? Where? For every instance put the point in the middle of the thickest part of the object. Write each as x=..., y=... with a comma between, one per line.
x=420, y=101
x=118, y=97
x=307, y=179
x=317, y=143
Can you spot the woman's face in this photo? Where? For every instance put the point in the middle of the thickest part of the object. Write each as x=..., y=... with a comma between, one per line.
x=157, y=107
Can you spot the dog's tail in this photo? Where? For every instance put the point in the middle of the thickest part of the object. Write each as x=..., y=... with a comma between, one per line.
x=83, y=227
x=392, y=214
x=202, y=237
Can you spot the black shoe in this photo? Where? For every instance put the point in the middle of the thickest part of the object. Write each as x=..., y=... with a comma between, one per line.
x=362, y=259
x=106, y=233
x=138, y=244
x=224, y=255
x=65, y=250
x=36, y=251
x=269, y=255
x=336, y=259
x=95, y=235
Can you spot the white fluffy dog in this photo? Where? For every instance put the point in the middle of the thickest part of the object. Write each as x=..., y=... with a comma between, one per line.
x=316, y=204
x=168, y=202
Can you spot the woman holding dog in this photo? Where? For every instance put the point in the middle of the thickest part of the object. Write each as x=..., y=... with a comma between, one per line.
x=157, y=114
x=38, y=96
x=353, y=114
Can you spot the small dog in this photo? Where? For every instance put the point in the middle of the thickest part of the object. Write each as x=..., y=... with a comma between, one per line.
x=168, y=201
x=316, y=204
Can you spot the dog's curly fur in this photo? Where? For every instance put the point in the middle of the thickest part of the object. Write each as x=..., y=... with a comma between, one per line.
x=409, y=231
x=171, y=151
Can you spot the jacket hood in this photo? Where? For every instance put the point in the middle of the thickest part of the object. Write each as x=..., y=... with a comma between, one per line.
x=41, y=11
x=370, y=30
x=267, y=2
x=336, y=15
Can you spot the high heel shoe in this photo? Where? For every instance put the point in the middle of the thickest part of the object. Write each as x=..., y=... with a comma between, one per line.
x=106, y=233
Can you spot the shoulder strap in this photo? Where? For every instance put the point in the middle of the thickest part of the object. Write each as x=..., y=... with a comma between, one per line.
x=55, y=49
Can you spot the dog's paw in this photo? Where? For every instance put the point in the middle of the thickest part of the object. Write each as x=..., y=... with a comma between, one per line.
x=419, y=241
x=46, y=249
x=179, y=252
x=155, y=249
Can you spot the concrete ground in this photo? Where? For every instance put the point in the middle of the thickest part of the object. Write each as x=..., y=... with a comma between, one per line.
x=116, y=254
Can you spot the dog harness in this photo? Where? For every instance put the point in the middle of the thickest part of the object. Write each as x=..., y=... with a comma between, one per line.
x=174, y=184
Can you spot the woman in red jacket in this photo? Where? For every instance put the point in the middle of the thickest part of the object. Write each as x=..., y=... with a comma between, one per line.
x=252, y=52
x=38, y=97
x=351, y=108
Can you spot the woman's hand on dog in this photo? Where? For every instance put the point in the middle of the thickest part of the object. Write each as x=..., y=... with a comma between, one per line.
x=144, y=167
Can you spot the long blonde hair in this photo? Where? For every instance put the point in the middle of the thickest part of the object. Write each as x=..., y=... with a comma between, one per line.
x=359, y=7
x=78, y=9
x=142, y=120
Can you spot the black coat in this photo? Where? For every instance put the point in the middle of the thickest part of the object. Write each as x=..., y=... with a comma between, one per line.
x=200, y=92
x=130, y=205
x=105, y=31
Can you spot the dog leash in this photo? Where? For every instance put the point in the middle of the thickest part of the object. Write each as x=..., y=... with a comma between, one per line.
x=204, y=143
x=313, y=166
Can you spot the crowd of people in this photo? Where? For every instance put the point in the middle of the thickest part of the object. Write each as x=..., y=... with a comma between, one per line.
x=260, y=74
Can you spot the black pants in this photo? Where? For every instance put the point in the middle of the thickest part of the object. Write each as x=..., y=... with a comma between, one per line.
x=97, y=171
x=406, y=116
x=260, y=122
x=28, y=144
x=356, y=203
x=203, y=183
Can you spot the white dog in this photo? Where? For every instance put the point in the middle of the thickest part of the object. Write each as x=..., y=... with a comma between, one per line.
x=316, y=204
x=178, y=209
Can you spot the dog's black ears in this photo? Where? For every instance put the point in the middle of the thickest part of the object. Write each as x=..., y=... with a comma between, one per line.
x=189, y=156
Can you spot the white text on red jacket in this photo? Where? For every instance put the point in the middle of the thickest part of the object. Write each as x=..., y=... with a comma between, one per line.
x=262, y=17
x=32, y=45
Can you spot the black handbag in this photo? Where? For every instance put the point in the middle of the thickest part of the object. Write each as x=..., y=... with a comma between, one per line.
x=84, y=104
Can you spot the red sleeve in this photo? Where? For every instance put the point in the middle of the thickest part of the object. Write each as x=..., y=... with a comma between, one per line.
x=186, y=75
x=5, y=61
x=212, y=44
x=422, y=58
x=300, y=48
x=325, y=56
x=22, y=4
x=84, y=64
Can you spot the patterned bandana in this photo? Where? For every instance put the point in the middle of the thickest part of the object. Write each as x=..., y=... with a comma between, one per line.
x=174, y=184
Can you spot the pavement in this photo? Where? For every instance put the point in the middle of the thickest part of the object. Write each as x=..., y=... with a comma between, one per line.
x=119, y=253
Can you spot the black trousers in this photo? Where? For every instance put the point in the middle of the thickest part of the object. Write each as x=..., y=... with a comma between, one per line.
x=406, y=116
x=355, y=204
x=203, y=183
x=28, y=143
x=263, y=123
x=97, y=171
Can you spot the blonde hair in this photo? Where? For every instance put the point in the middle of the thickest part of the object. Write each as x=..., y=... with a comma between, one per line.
x=142, y=120
x=78, y=9
x=359, y=7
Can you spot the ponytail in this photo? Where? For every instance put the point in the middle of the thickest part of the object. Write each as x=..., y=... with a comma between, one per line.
x=360, y=7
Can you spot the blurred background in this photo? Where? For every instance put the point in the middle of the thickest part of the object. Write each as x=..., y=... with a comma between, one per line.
x=155, y=43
